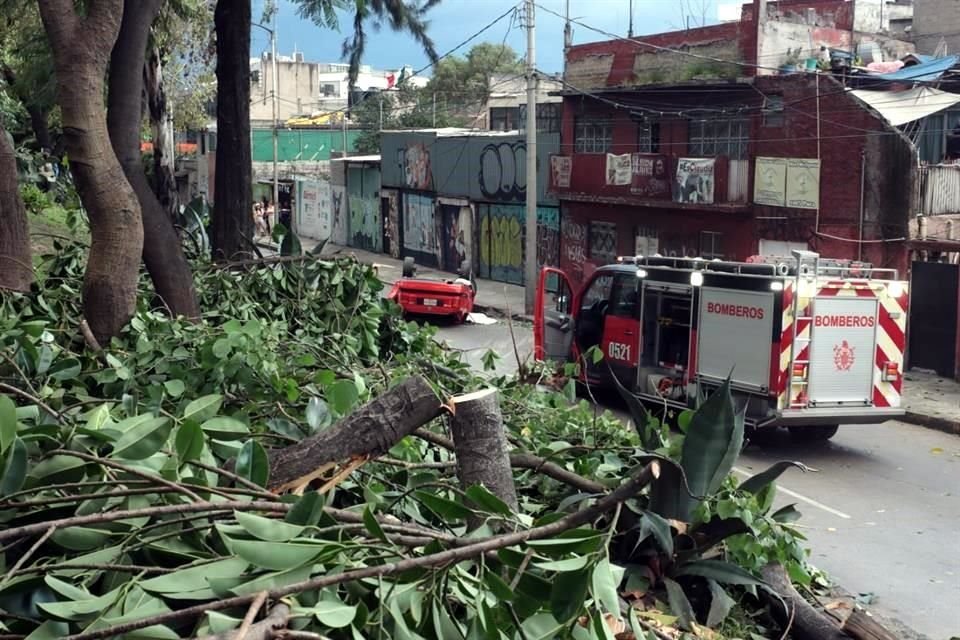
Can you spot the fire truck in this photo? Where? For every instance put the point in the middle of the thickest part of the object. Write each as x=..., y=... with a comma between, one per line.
x=808, y=343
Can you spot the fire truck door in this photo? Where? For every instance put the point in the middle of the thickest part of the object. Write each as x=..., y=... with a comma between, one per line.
x=553, y=318
x=621, y=329
x=843, y=342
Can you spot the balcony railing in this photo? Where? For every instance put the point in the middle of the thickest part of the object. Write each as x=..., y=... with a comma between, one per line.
x=648, y=179
x=939, y=189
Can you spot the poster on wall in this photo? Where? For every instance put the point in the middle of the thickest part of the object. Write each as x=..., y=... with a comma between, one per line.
x=560, y=169
x=649, y=177
x=618, y=169
x=338, y=215
x=313, y=210
x=803, y=183
x=694, y=181
x=770, y=182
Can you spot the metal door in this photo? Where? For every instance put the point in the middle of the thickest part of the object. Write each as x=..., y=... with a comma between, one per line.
x=843, y=348
x=933, y=316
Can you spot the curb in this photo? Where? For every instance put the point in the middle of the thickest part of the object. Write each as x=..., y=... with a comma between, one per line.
x=933, y=422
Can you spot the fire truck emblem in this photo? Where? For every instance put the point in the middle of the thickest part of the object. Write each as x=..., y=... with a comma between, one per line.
x=843, y=356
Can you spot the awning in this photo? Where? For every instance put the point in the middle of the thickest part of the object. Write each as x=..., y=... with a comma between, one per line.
x=901, y=107
x=923, y=72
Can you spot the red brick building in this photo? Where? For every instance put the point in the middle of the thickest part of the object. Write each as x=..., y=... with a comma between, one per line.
x=664, y=138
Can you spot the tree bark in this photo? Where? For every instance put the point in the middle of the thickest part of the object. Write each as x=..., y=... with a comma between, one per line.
x=81, y=48
x=164, y=152
x=162, y=252
x=860, y=625
x=16, y=268
x=371, y=430
x=480, y=444
x=808, y=623
x=232, y=229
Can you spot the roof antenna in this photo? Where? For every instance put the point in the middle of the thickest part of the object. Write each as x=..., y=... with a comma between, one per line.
x=630, y=23
x=567, y=30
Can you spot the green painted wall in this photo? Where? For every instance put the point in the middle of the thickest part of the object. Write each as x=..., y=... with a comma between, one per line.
x=306, y=142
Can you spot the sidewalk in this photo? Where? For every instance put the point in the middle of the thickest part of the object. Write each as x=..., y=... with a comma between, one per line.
x=932, y=401
x=492, y=297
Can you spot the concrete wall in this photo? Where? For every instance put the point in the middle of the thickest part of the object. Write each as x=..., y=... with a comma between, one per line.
x=365, y=224
x=933, y=20
x=297, y=88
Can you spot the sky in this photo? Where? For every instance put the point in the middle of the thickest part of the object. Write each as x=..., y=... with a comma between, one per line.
x=455, y=20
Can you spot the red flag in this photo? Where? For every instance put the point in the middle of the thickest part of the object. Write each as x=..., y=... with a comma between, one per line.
x=391, y=80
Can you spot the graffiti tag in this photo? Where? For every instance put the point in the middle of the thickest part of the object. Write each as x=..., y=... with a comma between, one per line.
x=503, y=171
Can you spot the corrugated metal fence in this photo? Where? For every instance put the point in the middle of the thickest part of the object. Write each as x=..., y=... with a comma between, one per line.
x=939, y=189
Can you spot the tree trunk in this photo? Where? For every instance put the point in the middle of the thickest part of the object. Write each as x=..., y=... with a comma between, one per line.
x=232, y=229
x=483, y=455
x=161, y=120
x=807, y=623
x=81, y=48
x=16, y=269
x=862, y=626
x=162, y=252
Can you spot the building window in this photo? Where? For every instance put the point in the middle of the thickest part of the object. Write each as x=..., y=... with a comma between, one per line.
x=548, y=117
x=710, y=138
x=648, y=137
x=592, y=135
x=330, y=89
x=603, y=242
x=711, y=245
x=773, y=111
x=503, y=118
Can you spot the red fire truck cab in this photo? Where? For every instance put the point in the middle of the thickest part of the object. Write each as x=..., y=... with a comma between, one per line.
x=807, y=343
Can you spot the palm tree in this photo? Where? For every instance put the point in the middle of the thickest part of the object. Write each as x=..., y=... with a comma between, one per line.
x=232, y=228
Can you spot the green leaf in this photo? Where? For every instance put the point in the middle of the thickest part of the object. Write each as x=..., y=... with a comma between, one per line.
x=371, y=524
x=497, y=586
x=252, y=463
x=567, y=564
x=143, y=440
x=221, y=348
x=720, y=604
x=50, y=630
x=307, y=511
x=8, y=422
x=277, y=556
x=266, y=582
x=189, y=441
x=787, y=514
x=758, y=482
x=98, y=417
x=680, y=605
x=719, y=570
x=542, y=626
x=333, y=613
x=14, y=468
x=683, y=420
x=175, y=388
x=268, y=529
x=80, y=538
x=486, y=501
x=225, y=428
x=653, y=523
x=606, y=582
x=318, y=413
x=65, y=369
x=196, y=577
x=59, y=468
x=443, y=507
x=568, y=594
x=203, y=408
x=643, y=422
x=343, y=395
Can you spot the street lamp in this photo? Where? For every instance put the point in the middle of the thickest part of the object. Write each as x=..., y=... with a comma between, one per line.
x=276, y=108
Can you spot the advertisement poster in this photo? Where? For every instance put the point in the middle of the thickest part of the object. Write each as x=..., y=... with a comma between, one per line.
x=650, y=177
x=560, y=169
x=618, y=169
x=803, y=183
x=695, y=181
x=770, y=182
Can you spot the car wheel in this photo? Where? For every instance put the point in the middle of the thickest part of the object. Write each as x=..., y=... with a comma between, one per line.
x=814, y=433
x=762, y=436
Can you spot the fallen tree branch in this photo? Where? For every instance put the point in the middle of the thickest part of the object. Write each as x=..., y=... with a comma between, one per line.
x=370, y=431
x=862, y=626
x=263, y=630
x=132, y=471
x=808, y=623
x=88, y=336
x=624, y=492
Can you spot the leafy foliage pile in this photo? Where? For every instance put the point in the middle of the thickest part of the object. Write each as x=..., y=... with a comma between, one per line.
x=116, y=507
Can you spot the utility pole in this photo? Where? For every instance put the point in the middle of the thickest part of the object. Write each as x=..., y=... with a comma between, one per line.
x=343, y=129
x=434, y=109
x=630, y=22
x=567, y=30
x=530, y=259
x=276, y=109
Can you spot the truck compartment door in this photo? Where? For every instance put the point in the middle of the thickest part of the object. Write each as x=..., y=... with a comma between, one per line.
x=734, y=336
x=553, y=320
x=843, y=339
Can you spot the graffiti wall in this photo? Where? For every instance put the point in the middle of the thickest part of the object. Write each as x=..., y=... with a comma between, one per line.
x=338, y=215
x=501, y=242
x=503, y=171
x=364, y=225
x=313, y=215
x=420, y=237
x=548, y=236
x=457, y=235
x=391, y=236
x=573, y=249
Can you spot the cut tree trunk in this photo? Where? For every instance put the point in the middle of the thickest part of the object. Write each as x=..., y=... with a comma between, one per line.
x=161, y=120
x=862, y=626
x=16, y=268
x=370, y=431
x=81, y=48
x=162, y=252
x=480, y=444
x=807, y=623
x=231, y=234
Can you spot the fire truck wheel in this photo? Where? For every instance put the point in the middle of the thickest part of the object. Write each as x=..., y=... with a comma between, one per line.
x=814, y=433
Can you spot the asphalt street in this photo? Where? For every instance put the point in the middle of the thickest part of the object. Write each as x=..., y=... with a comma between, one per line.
x=881, y=511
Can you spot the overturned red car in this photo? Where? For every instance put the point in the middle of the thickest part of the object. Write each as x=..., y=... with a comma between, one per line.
x=434, y=297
